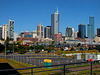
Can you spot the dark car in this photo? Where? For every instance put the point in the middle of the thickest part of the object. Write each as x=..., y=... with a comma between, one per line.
x=9, y=52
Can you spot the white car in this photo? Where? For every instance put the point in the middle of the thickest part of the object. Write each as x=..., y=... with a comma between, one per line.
x=66, y=49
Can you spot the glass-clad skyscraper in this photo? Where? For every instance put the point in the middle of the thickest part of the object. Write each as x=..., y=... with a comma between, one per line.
x=70, y=33
x=0, y=32
x=98, y=32
x=90, y=28
x=55, y=23
x=82, y=31
x=11, y=29
x=47, y=32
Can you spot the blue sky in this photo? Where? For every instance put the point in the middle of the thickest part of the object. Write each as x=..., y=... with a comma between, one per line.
x=27, y=14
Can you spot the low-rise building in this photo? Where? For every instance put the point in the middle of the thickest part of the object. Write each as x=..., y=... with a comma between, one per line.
x=57, y=37
x=97, y=39
x=27, y=41
x=92, y=56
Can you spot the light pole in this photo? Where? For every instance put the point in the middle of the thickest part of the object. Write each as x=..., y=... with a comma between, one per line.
x=13, y=50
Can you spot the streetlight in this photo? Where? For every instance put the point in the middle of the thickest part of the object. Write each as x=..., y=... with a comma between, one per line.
x=13, y=50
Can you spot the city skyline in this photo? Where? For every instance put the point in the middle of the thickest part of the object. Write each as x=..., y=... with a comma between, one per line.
x=27, y=17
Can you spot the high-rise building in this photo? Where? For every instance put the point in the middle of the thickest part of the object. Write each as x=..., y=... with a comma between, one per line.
x=11, y=29
x=98, y=32
x=40, y=31
x=55, y=23
x=4, y=31
x=70, y=33
x=90, y=28
x=47, y=32
x=82, y=31
x=0, y=32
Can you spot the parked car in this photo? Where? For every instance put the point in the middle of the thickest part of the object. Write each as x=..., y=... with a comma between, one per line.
x=66, y=49
x=9, y=52
x=54, y=50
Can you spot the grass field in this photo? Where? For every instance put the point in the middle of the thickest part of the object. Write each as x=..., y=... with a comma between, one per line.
x=16, y=65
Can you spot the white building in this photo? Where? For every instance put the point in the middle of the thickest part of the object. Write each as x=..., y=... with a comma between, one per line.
x=15, y=36
x=4, y=31
x=92, y=56
x=34, y=34
x=97, y=39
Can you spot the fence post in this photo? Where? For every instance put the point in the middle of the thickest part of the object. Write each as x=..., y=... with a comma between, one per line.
x=31, y=71
x=64, y=70
x=91, y=67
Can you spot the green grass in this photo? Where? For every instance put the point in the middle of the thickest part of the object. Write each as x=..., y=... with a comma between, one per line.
x=16, y=64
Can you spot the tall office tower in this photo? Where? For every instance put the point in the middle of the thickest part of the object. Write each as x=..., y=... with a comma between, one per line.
x=98, y=32
x=47, y=32
x=0, y=32
x=40, y=31
x=11, y=29
x=82, y=31
x=4, y=31
x=90, y=28
x=55, y=23
x=70, y=33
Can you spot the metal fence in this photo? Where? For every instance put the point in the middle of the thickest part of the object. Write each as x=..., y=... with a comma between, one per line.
x=38, y=60
x=63, y=68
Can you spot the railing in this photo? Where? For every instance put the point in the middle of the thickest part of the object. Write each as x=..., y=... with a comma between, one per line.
x=63, y=68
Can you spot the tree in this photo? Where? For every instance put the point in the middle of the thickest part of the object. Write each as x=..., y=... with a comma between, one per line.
x=2, y=47
x=90, y=48
x=52, y=44
x=79, y=44
x=72, y=49
x=19, y=42
x=81, y=48
x=7, y=43
x=62, y=48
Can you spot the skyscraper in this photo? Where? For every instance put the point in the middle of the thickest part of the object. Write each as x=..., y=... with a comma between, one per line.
x=55, y=23
x=90, y=28
x=70, y=33
x=82, y=31
x=4, y=31
x=0, y=32
x=47, y=32
x=11, y=29
x=40, y=31
x=98, y=32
